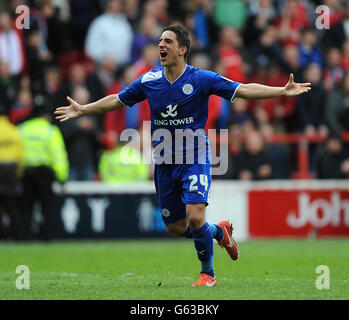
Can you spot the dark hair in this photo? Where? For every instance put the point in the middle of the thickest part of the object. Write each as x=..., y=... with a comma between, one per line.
x=183, y=37
x=308, y=29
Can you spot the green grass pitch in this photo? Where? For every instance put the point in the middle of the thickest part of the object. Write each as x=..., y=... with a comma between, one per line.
x=165, y=269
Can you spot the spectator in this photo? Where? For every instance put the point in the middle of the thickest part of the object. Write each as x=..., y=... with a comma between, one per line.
x=276, y=111
x=45, y=160
x=291, y=61
x=266, y=48
x=308, y=49
x=52, y=88
x=110, y=35
x=270, y=38
x=37, y=21
x=132, y=12
x=11, y=166
x=64, y=9
x=235, y=142
x=253, y=162
x=121, y=163
x=291, y=21
x=148, y=60
x=338, y=33
x=240, y=112
x=38, y=60
x=332, y=160
x=333, y=72
x=261, y=15
x=345, y=57
x=189, y=23
x=158, y=10
x=103, y=77
x=22, y=108
x=116, y=121
x=83, y=14
x=236, y=133
x=200, y=60
x=336, y=11
x=139, y=111
x=310, y=108
x=12, y=49
x=202, y=14
x=148, y=33
x=8, y=87
x=59, y=38
x=229, y=46
x=337, y=108
x=177, y=9
x=79, y=77
x=279, y=153
x=81, y=136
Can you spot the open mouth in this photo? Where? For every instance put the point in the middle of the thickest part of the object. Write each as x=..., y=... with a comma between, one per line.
x=163, y=55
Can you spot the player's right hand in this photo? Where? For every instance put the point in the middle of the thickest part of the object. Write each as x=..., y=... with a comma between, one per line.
x=72, y=111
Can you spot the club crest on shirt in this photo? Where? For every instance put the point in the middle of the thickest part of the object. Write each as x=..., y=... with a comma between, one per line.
x=165, y=212
x=187, y=88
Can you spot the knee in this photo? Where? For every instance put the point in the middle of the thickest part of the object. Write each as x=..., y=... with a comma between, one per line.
x=177, y=228
x=196, y=221
x=196, y=215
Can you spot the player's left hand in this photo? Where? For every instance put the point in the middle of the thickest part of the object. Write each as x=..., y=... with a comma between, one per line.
x=294, y=89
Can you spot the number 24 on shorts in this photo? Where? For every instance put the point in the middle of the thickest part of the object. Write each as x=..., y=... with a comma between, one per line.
x=194, y=180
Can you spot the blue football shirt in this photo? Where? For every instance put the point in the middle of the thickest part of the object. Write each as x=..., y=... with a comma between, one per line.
x=179, y=108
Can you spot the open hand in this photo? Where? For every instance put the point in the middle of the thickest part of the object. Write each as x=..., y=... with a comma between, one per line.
x=72, y=111
x=294, y=89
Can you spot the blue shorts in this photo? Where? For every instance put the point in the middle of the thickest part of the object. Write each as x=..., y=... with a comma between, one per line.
x=180, y=184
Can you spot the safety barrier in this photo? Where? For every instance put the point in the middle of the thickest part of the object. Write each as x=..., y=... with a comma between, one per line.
x=294, y=208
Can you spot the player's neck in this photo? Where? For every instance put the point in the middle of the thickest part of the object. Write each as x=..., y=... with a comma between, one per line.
x=174, y=72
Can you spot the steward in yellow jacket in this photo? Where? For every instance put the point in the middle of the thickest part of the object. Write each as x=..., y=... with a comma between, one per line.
x=11, y=166
x=121, y=163
x=45, y=161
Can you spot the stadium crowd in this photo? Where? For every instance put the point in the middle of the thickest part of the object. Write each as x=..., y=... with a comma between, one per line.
x=88, y=49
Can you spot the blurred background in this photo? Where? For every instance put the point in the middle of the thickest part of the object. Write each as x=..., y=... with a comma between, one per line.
x=286, y=154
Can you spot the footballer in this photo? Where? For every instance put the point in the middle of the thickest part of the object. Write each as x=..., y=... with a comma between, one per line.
x=178, y=98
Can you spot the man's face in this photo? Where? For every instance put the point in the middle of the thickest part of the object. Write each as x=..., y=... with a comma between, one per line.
x=334, y=145
x=254, y=143
x=114, y=6
x=169, y=51
x=5, y=22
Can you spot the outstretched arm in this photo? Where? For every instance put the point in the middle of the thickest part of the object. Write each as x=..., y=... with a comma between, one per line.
x=259, y=91
x=74, y=110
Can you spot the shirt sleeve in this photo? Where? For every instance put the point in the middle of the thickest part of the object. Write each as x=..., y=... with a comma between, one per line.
x=133, y=93
x=221, y=86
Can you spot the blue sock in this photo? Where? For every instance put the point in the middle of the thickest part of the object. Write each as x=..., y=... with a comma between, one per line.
x=217, y=232
x=188, y=234
x=203, y=242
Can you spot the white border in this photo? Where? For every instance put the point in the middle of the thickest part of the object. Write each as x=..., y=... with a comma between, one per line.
x=148, y=187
